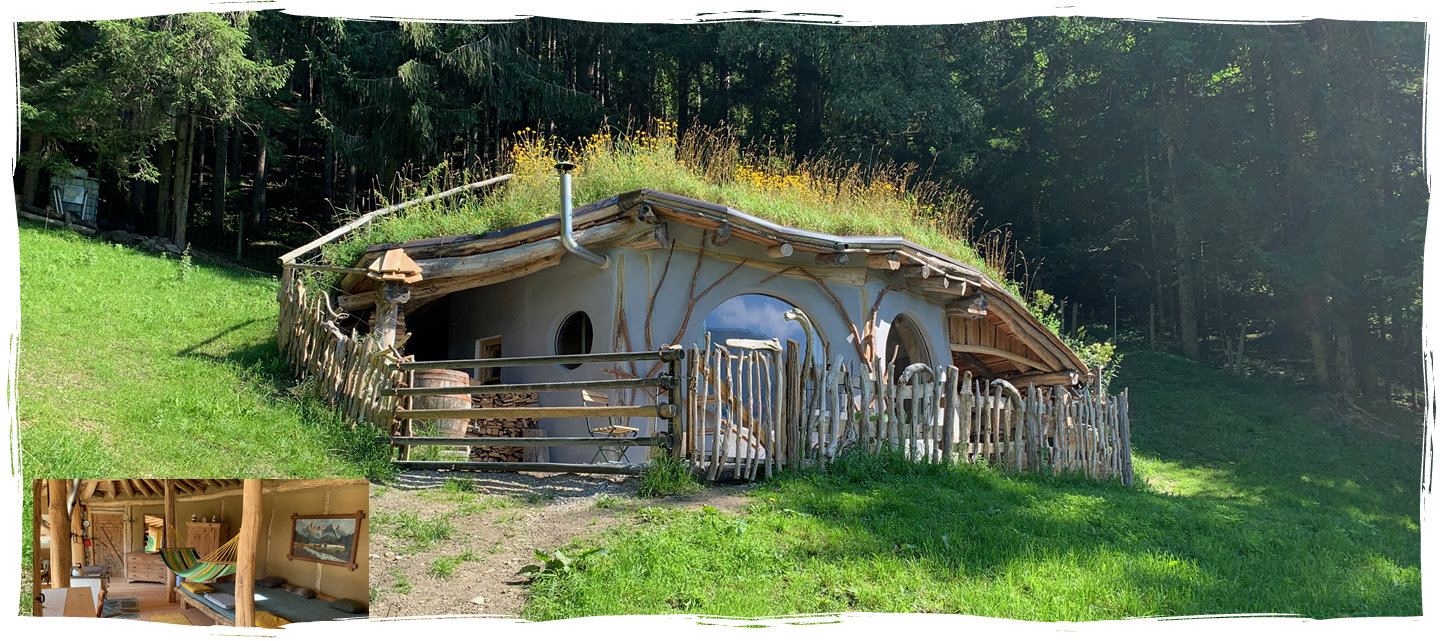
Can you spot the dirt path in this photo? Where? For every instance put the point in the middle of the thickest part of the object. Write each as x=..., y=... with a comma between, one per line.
x=497, y=521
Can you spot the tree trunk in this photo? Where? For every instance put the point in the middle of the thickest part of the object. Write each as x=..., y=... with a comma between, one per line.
x=32, y=174
x=350, y=203
x=1320, y=356
x=162, y=200
x=184, y=165
x=258, y=189
x=1345, y=361
x=329, y=182
x=234, y=162
x=682, y=97
x=1184, y=285
x=809, y=103
x=221, y=179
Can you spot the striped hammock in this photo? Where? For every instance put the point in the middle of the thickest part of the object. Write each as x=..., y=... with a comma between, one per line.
x=184, y=562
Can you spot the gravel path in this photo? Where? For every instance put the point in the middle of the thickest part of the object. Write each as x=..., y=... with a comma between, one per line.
x=498, y=525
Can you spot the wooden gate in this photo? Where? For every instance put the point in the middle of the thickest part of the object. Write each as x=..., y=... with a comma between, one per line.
x=734, y=407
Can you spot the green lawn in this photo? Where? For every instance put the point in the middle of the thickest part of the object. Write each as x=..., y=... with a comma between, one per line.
x=133, y=365
x=1243, y=505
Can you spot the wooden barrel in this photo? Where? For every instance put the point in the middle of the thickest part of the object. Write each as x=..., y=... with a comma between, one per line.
x=447, y=427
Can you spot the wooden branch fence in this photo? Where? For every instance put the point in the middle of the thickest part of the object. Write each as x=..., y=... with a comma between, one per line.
x=353, y=373
x=754, y=411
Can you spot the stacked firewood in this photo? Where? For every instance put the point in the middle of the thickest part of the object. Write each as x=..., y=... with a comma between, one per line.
x=511, y=427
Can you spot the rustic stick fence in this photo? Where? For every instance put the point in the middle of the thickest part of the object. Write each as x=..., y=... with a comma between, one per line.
x=352, y=373
x=754, y=411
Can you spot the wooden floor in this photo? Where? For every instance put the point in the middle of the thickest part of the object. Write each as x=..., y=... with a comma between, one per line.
x=151, y=597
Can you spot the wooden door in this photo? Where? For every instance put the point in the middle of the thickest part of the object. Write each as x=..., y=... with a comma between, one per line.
x=107, y=532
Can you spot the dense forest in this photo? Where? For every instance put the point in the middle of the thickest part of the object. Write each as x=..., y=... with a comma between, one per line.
x=1249, y=196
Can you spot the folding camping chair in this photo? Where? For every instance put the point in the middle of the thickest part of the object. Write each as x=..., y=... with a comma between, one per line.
x=606, y=453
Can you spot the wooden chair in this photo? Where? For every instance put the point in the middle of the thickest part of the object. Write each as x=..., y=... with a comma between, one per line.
x=606, y=453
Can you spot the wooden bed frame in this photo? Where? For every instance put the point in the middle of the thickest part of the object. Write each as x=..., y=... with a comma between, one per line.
x=188, y=600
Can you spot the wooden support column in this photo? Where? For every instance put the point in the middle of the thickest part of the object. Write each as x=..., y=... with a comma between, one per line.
x=172, y=538
x=245, y=556
x=36, y=487
x=77, y=532
x=59, y=533
x=392, y=294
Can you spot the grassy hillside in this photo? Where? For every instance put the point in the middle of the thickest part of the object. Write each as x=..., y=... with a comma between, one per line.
x=1243, y=505
x=133, y=365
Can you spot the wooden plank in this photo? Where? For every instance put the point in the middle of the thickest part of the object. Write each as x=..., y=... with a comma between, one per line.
x=663, y=382
x=525, y=361
x=661, y=410
x=519, y=441
x=291, y=255
x=995, y=351
x=480, y=466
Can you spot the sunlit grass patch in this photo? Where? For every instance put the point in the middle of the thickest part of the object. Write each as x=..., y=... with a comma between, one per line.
x=1299, y=524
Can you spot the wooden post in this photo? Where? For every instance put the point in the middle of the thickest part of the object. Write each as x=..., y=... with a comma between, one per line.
x=59, y=532
x=245, y=556
x=37, y=608
x=392, y=294
x=952, y=414
x=77, y=530
x=172, y=537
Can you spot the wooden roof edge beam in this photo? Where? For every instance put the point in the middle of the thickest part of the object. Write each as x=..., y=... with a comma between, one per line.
x=1000, y=353
x=1044, y=379
x=888, y=261
x=968, y=307
x=783, y=250
x=940, y=285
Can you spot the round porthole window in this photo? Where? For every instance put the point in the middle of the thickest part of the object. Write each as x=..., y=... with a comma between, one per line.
x=575, y=336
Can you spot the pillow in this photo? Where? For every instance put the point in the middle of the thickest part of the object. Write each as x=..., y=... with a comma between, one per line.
x=221, y=599
x=269, y=582
x=197, y=588
x=349, y=605
x=301, y=590
x=264, y=619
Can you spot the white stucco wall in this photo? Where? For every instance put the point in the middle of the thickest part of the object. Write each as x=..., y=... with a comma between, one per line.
x=528, y=311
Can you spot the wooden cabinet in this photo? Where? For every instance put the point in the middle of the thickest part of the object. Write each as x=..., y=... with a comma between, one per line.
x=206, y=537
x=140, y=566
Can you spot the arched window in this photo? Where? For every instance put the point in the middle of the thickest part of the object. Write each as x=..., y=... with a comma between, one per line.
x=752, y=316
x=904, y=345
x=574, y=337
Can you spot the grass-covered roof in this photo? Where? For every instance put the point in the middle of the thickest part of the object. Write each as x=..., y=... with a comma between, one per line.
x=705, y=165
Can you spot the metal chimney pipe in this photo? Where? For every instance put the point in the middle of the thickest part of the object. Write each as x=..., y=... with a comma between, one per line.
x=567, y=224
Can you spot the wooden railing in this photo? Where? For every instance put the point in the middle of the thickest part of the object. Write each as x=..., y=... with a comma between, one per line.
x=352, y=373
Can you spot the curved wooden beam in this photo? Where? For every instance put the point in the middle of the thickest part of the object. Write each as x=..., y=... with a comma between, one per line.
x=992, y=351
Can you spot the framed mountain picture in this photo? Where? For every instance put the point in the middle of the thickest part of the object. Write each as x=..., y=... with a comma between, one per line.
x=325, y=538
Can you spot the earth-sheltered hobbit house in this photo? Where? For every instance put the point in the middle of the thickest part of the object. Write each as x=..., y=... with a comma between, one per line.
x=647, y=319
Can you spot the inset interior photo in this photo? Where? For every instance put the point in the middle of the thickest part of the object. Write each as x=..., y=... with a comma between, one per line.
x=235, y=552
